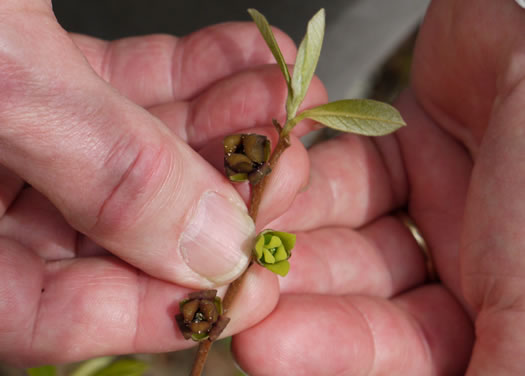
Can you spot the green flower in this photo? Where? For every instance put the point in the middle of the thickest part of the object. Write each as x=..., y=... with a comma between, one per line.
x=245, y=157
x=272, y=250
x=201, y=317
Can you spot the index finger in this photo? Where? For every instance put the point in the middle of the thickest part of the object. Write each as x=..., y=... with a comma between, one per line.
x=156, y=69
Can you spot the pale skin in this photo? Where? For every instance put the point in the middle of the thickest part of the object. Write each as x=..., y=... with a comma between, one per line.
x=458, y=167
x=355, y=301
x=91, y=258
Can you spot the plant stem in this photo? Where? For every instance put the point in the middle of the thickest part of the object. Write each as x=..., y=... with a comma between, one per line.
x=200, y=357
x=235, y=286
x=258, y=189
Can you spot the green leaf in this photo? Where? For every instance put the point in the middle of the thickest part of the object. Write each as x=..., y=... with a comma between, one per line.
x=123, y=367
x=89, y=367
x=306, y=62
x=42, y=371
x=360, y=116
x=280, y=268
x=267, y=34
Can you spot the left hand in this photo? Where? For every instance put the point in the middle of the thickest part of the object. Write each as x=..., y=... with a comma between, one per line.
x=63, y=296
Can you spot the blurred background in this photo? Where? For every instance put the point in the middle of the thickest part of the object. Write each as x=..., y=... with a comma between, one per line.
x=366, y=53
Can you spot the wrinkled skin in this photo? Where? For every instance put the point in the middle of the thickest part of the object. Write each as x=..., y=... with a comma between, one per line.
x=110, y=138
x=355, y=301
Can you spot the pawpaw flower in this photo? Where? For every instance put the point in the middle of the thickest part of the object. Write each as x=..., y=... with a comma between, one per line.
x=245, y=156
x=272, y=250
x=201, y=317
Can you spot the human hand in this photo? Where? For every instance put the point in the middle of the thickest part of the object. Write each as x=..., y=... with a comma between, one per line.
x=100, y=131
x=355, y=301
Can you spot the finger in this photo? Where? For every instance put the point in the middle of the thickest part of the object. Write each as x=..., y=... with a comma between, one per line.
x=114, y=171
x=448, y=69
x=357, y=335
x=165, y=68
x=70, y=310
x=248, y=99
x=34, y=222
x=348, y=172
x=381, y=259
x=22, y=279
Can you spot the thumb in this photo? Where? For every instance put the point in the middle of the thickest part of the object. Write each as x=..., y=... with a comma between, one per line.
x=112, y=169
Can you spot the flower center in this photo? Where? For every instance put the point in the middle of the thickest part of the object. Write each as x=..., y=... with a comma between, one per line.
x=274, y=250
x=199, y=316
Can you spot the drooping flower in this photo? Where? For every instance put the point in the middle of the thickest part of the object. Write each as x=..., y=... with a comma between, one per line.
x=272, y=250
x=201, y=316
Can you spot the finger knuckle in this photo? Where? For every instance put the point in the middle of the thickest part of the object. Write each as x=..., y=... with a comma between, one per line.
x=139, y=171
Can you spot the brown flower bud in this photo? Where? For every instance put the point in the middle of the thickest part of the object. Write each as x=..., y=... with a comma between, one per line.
x=200, y=316
x=218, y=327
x=245, y=157
x=256, y=147
x=231, y=143
x=200, y=327
x=203, y=294
x=209, y=310
x=189, y=310
x=239, y=163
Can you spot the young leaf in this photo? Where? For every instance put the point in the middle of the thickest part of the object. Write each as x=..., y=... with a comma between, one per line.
x=121, y=367
x=267, y=34
x=42, y=371
x=306, y=62
x=361, y=116
x=89, y=367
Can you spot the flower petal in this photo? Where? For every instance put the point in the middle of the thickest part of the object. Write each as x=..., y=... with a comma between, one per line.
x=268, y=257
x=280, y=254
x=274, y=242
x=238, y=178
x=287, y=239
x=280, y=268
x=259, y=246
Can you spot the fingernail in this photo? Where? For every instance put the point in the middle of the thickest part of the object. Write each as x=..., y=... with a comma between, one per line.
x=217, y=242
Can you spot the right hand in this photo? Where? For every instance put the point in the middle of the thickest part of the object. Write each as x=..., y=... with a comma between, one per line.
x=355, y=301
